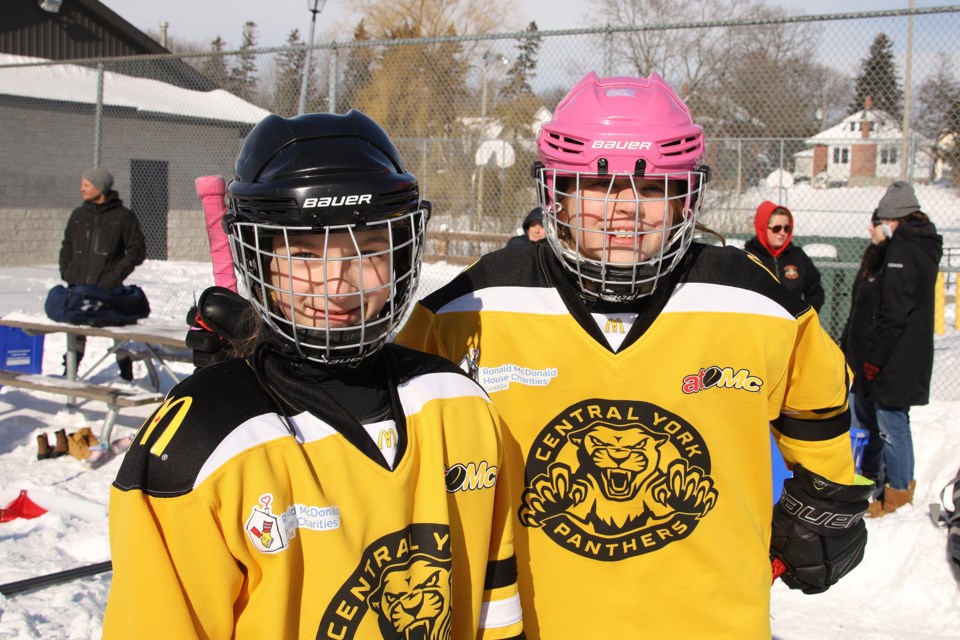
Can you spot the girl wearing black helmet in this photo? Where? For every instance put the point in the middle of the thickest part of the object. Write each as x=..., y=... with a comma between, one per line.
x=325, y=484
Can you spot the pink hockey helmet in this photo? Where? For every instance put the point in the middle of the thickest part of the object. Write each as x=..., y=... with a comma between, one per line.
x=628, y=131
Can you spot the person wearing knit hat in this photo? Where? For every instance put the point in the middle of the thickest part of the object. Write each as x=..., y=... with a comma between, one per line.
x=772, y=245
x=888, y=340
x=898, y=202
x=99, y=179
x=102, y=244
x=533, y=231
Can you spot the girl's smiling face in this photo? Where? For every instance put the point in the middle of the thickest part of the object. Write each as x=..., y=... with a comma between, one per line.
x=331, y=280
x=622, y=222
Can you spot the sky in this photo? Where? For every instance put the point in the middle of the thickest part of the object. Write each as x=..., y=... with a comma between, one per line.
x=903, y=589
x=201, y=22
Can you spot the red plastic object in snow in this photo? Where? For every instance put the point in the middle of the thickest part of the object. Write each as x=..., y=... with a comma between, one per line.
x=21, y=507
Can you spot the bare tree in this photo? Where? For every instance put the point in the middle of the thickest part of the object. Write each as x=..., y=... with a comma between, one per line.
x=430, y=18
x=939, y=118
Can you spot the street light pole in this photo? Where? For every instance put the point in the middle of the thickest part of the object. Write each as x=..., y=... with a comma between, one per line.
x=315, y=7
x=488, y=58
x=905, y=143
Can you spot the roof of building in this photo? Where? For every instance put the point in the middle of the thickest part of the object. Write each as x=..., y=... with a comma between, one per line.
x=883, y=128
x=78, y=84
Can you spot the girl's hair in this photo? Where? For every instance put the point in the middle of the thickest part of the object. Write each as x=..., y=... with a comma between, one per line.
x=872, y=260
x=916, y=216
x=244, y=346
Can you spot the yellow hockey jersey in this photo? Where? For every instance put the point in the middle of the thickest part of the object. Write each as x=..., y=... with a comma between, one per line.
x=644, y=502
x=229, y=519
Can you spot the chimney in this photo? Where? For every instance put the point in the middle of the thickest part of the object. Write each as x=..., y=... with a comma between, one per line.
x=864, y=123
x=163, y=33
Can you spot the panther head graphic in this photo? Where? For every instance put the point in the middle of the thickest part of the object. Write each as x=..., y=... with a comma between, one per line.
x=413, y=600
x=618, y=459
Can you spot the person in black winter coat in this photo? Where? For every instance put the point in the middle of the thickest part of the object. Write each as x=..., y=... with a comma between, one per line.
x=102, y=243
x=888, y=339
x=772, y=245
x=533, y=231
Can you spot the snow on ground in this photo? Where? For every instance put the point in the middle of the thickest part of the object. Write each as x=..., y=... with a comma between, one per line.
x=904, y=588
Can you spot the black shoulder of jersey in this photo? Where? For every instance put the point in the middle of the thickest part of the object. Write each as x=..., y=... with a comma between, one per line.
x=733, y=267
x=173, y=444
x=507, y=267
x=409, y=363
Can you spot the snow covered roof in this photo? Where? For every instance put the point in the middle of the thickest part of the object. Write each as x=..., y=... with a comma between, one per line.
x=73, y=83
x=883, y=128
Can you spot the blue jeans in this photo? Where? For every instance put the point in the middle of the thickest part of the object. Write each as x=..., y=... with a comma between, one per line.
x=888, y=456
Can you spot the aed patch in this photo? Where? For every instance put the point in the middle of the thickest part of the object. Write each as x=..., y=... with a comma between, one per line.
x=790, y=272
x=614, y=479
x=404, y=579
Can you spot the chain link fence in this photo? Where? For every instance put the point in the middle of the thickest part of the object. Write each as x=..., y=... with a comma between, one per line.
x=818, y=113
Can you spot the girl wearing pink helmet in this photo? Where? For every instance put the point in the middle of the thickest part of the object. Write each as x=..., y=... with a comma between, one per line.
x=639, y=373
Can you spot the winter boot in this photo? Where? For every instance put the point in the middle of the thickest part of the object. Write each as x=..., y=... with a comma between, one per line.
x=893, y=499
x=43, y=447
x=62, y=446
x=875, y=509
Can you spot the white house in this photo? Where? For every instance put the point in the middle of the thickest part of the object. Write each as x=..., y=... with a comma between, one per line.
x=865, y=148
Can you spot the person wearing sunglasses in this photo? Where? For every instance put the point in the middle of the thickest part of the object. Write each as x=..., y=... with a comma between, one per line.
x=773, y=247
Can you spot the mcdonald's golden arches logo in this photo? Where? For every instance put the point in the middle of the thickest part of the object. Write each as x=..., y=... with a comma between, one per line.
x=614, y=325
x=387, y=439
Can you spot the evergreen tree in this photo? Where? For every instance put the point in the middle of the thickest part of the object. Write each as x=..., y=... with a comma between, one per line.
x=243, y=75
x=356, y=69
x=878, y=80
x=524, y=67
x=215, y=66
x=289, y=76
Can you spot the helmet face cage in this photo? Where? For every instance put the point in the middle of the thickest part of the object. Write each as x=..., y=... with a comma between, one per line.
x=618, y=153
x=276, y=300
x=652, y=249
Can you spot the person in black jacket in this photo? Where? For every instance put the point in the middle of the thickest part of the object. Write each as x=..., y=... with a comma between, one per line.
x=533, y=231
x=772, y=245
x=888, y=339
x=102, y=244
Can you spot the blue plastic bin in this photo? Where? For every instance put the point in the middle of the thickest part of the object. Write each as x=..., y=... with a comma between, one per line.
x=20, y=352
x=858, y=441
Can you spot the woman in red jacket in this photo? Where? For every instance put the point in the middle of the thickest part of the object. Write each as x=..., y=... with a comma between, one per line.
x=772, y=245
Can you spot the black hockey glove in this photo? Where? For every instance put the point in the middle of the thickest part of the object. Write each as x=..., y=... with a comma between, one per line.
x=818, y=530
x=219, y=321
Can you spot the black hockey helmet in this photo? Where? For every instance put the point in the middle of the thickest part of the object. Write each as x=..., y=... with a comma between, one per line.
x=323, y=174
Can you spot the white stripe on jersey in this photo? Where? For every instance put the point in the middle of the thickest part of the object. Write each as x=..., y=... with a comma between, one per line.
x=259, y=430
x=500, y=613
x=541, y=301
x=416, y=392
x=718, y=298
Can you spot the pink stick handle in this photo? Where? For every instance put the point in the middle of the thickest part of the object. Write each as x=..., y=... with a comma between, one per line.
x=211, y=191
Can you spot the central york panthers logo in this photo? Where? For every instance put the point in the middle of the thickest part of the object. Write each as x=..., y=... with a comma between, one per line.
x=400, y=589
x=611, y=479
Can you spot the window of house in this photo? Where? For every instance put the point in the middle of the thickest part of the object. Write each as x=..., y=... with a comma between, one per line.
x=841, y=155
x=853, y=126
x=888, y=155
